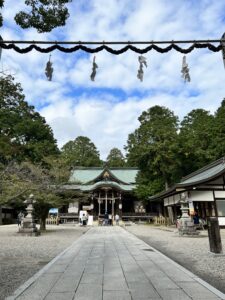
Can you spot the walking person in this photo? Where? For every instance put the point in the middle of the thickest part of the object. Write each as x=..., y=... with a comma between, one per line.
x=110, y=220
x=84, y=220
x=106, y=218
x=117, y=218
x=20, y=218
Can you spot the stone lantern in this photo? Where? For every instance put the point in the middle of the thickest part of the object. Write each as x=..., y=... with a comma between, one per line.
x=186, y=224
x=28, y=226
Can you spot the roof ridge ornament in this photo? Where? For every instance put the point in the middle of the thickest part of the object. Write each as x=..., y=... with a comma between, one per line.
x=106, y=175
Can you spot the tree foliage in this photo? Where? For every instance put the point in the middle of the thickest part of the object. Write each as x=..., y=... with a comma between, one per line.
x=196, y=138
x=44, y=15
x=81, y=152
x=115, y=158
x=24, y=134
x=19, y=180
x=153, y=147
x=165, y=151
x=218, y=132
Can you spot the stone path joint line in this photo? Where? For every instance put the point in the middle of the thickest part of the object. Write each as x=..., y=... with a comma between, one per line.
x=108, y=263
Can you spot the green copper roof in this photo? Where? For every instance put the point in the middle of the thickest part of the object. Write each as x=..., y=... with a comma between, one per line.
x=86, y=175
x=111, y=184
x=125, y=175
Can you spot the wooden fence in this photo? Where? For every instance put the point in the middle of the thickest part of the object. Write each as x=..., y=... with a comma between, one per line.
x=161, y=221
x=51, y=221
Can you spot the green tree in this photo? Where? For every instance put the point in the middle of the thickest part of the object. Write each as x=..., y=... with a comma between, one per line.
x=44, y=15
x=24, y=134
x=115, y=158
x=45, y=182
x=218, y=132
x=153, y=147
x=81, y=152
x=196, y=137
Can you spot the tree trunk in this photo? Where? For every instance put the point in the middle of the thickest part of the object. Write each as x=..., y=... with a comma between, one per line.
x=166, y=185
x=42, y=224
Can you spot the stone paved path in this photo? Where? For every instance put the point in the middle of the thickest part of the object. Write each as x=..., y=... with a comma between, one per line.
x=110, y=263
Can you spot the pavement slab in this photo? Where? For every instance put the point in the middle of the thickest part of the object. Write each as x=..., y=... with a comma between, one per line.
x=109, y=263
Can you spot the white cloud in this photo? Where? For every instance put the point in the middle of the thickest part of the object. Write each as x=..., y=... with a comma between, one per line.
x=107, y=110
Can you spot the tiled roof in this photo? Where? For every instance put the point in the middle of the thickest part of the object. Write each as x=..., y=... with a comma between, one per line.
x=86, y=175
x=201, y=176
x=91, y=187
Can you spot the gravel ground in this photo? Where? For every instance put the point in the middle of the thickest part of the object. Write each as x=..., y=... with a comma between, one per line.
x=190, y=252
x=21, y=257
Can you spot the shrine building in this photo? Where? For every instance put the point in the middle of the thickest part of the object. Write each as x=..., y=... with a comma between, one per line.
x=108, y=190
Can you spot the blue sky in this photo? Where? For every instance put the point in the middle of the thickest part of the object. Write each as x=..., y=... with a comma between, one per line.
x=107, y=110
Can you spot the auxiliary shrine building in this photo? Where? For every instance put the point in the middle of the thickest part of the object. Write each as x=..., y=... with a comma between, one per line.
x=108, y=190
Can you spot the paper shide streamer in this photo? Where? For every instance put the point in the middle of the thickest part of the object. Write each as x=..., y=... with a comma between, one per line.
x=94, y=70
x=142, y=62
x=49, y=69
x=185, y=70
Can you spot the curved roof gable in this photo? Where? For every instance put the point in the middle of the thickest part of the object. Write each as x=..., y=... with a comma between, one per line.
x=88, y=175
x=125, y=175
x=83, y=175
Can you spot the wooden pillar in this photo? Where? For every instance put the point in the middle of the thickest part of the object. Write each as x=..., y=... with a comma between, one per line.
x=120, y=206
x=0, y=215
x=159, y=209
x=214, y=235
x=92, y=204
x=99, y=203
x=113, y=201
x=106, y=196
x=175, y=212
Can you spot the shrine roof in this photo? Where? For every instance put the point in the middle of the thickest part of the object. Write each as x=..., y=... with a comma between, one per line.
x=201, y=176
x=89, y=175
x=101, y=184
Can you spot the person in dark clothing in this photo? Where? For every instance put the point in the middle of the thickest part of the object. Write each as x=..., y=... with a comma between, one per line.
x=84, y=220
x=196, y=219
x=106, y=218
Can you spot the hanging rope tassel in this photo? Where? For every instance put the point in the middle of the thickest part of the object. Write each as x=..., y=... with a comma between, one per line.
x=223, y=48
x=142, y=61
x=1, y=39
x=94, y=70
x=49, y=69
x=185, y=70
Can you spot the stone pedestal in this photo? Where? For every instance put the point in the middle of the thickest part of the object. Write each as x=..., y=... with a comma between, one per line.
x=215, y=243
x=186, y=224
x=28, y=227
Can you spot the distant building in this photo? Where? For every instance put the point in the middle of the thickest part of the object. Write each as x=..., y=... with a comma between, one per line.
x=108, y=190
x=204, y=190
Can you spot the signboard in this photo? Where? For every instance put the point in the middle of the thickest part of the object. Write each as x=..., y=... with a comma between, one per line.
x=87, y=207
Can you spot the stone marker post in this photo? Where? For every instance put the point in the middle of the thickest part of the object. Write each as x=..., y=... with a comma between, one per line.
x=215, y=243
